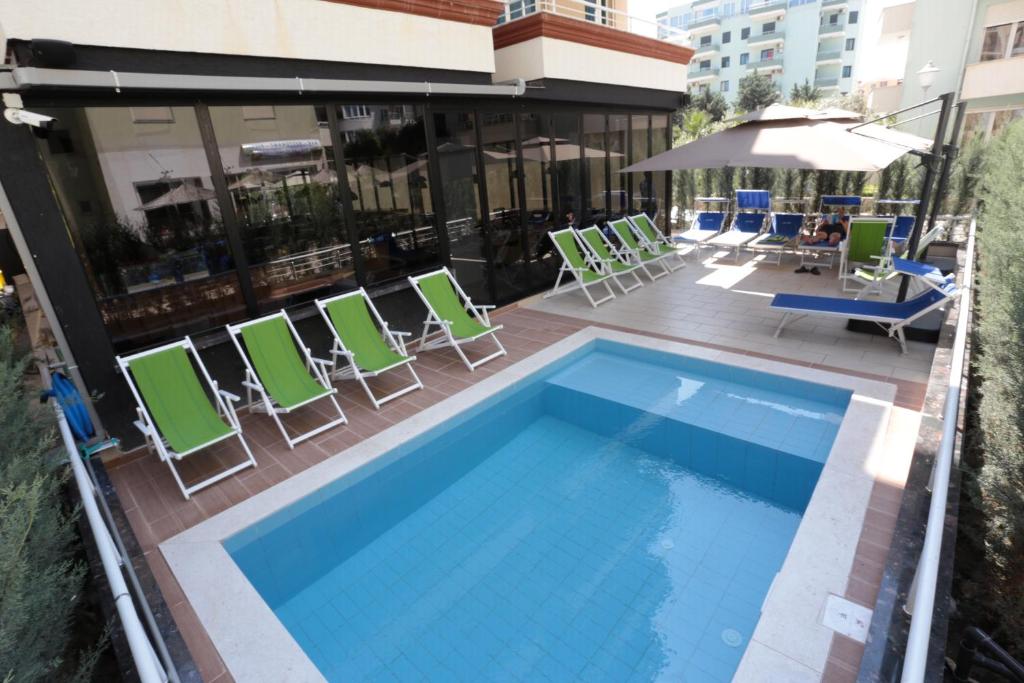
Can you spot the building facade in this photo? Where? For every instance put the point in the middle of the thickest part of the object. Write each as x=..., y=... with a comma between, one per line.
x=213, y=161
x=791, y=41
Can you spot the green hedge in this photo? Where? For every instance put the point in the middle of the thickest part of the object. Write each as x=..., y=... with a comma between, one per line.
x=998, y=493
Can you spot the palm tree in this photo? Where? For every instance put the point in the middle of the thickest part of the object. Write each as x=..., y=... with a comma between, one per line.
x=804, y=94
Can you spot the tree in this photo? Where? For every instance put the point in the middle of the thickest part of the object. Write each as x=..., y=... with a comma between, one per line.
x=756, y=91
x=712, y=103
x=966, y=172
x=40, y=581
x=696, y=124
x=805, y=94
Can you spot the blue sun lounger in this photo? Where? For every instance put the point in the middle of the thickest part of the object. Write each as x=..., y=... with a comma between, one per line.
x=784, y=231
x=752, y=207
x=707, y=223
x=890, y=316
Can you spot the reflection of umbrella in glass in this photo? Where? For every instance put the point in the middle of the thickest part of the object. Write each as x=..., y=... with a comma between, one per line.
x=541, y=140
x=564, y=152
x=252, y=180
x=182, y=194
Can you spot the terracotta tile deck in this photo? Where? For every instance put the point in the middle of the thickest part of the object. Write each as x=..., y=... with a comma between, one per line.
x=157, y=511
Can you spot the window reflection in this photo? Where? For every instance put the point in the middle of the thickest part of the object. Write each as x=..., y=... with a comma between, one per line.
x=280, y=173
x=618, y=128
x=643, y=183
x=995, y=42
x=658, y=208
x=540, y=205
x=594, y=143
x=457, y=157
x=135, y=189
x=388, y=179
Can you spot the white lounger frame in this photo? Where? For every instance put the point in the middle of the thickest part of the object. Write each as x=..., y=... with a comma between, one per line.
x=577, y=273
x=633, y=257
x=624, y=260
x=394, y=339
x=223, y=400
x=737, y=239
x=662, y=240
x=443, y=337
x=266, y=404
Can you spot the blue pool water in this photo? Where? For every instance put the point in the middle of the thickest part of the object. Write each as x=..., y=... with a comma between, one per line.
x=616, y=516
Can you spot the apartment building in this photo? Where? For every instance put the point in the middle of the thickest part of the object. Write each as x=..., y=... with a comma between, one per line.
x=791, y=41
x=213, y=160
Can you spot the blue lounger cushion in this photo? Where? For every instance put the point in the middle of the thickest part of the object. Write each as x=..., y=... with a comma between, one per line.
x=857, y=308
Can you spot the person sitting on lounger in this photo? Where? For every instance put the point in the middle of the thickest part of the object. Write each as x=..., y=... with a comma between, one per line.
x=832, y=228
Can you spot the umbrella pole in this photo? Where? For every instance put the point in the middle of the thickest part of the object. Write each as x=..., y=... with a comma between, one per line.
x=931, y=161
x=949, y=155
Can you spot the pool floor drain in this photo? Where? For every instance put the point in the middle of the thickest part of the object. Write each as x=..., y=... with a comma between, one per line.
x=732, y=637
x=667, y=544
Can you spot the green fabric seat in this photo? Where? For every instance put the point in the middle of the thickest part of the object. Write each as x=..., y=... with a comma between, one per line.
x=353, y=324
x=621, y=228
x=437, y=289
x=643, y=222
x=271, y=349
x=592, y=236
x=176, y=400
x=571, y=250
x=867, y=240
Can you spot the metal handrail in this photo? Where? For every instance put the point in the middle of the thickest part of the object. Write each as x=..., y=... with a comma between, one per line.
x=922, y=598
x=147, y=664
x=576, y=9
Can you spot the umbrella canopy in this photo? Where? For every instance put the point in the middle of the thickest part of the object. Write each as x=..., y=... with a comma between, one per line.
x=789, y=137
x=182, y=194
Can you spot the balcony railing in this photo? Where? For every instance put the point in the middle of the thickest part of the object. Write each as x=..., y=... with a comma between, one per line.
x=829, y=56
x=834, y=4
x=584, y=10
x=765, y=64
x=773, y=37
x=831, y=82
x=703, y=74
x=704, y=22
x=830, y=29
x=766, y=7
x=709, y=49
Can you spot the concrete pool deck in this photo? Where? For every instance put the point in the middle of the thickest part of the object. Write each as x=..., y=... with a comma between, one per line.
x=687, y=306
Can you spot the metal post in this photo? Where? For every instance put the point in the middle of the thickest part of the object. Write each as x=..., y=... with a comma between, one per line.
x=931, y=160
x=949, y=154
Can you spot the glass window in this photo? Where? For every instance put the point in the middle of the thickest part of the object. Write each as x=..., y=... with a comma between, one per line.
x=388, y=180
x=594, y=152
x=724, y=86
x=854, y=15
x=847, y=70
x=643, y=189
x=768, y=27
x=744, y=58
x=744, y=33
x=538, y=176
x=767, y=54
x=568, y=167
x=705, y=64
x=850, y=43
x=657, y=207
x=509, y=241
x=142, y=214
x=833, y=19
x=726, y=37
x=618, y=125
x=725, y=62
x=457, y=157
x=993, y=46
x=284, y=188
x=1018, y=41
x=1003, y=118
x=705, y=40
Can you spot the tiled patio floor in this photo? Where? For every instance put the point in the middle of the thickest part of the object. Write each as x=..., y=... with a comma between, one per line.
x=724, y=307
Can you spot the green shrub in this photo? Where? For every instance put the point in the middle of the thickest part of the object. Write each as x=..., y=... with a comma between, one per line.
x=999, y=490
x=40, y=581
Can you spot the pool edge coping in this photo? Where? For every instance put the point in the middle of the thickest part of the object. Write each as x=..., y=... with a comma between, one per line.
x=222, y=597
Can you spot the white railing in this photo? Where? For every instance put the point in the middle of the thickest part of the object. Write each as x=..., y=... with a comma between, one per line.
x=921, y=603
x=147, y=664
x=585, y=10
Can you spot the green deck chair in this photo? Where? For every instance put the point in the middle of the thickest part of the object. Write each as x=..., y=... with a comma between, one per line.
x=365, y=340
x=605, y=252
x=873, y=278
x=656, y=241
x=866, y=244
x=282, y=370
x=458, y=319
x=584, y=269
x=176, y=416
x=638, y=253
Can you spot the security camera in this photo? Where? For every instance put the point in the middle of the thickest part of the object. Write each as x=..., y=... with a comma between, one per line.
x=19, y=116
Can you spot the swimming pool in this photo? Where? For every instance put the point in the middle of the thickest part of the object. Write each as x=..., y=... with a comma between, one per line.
x=618, y=514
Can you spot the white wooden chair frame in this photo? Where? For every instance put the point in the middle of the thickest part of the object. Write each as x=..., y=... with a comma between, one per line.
x=624, y=260
x=223, y=400
x=632, y=256
x=845, y=273
x=662, y=240
x=737, y=239
x=577, y=273
x=443, y=337
x=266, y=404
x=393, y=338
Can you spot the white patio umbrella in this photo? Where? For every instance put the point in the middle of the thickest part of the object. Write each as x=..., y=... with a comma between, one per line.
x=564, y=152
x=789, y=137
x=182, y=194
